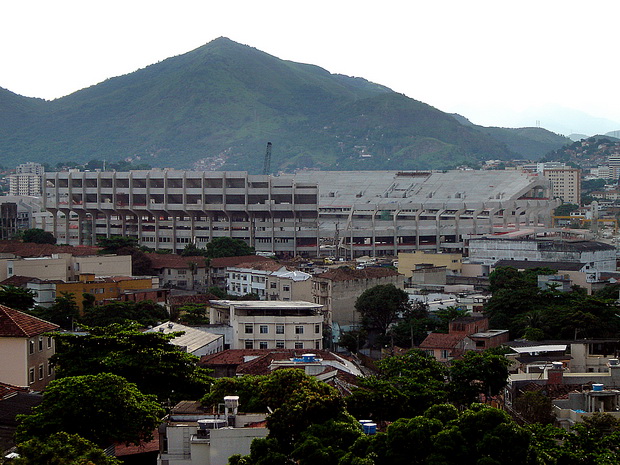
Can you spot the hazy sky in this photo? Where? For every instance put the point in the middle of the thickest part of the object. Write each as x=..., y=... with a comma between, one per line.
x=488, y=60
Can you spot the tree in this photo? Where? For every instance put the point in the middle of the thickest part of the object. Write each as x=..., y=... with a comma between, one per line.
x=64, y=311
x=145, y=313
x=147, y=359
x=16, y=297
x=477, y=373
x=193, y=314
x=405, y=386
x=381, y=305
x=535, y=407
x=228, y=247
x=61, y=449
x=38, y=236
x=192, y=250
x=102, y=408
x=124, y=245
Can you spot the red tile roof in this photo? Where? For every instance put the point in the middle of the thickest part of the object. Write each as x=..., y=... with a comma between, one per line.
x=270, y=265
x=224, y=262
x=27, y=249
x=160, y=261
x=347, y=274
x=441, y=341
x=14, y=323
x=7, y=390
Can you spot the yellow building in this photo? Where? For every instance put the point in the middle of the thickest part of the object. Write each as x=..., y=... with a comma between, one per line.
x=407, y=262
x=104, y=288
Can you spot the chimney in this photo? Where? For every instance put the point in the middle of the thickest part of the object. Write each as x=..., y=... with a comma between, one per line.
x=555, y=374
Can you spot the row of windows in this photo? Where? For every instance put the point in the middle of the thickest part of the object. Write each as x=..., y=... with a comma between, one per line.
x=264, y=329
x=249, y=344
x=32, y=344
x=41, y=372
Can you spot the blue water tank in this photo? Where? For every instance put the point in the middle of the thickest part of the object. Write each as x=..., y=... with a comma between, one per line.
x=370, y=428
x=307, y=358
x=597, y=387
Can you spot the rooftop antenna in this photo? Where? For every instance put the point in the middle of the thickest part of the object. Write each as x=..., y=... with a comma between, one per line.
x=267, y=163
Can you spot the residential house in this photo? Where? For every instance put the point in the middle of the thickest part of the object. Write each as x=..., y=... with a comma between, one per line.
x=270, y=324
x=14, y=401
x=464, y=333
x=26, y=349
x=218, y=274
x=175, y=271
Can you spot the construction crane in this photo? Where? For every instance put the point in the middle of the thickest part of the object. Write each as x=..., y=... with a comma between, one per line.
x=267, y=163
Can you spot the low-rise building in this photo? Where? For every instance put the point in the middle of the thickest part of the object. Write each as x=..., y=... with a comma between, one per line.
x=26, y=349
x=269, y=280
x=192, y=436
x=339, y=288
x=270, y=325
x=175, y=271
x=106, y=288
x=193, y=341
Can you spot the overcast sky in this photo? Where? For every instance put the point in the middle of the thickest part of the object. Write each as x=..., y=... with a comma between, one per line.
x=488, y=60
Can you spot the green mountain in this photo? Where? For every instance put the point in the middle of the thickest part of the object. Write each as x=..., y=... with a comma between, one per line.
x=220, y=104
x=531, y=143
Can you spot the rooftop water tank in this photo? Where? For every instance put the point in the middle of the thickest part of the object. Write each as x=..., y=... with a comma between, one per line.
x=231, y=402
x=370, y=428
x=308, y=358
x=614, y=362
x=597, y=387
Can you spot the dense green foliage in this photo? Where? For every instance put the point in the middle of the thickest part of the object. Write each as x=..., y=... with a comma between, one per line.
x=64, y=311
x=519, y=305
x=145, y=313
x=228, y=247
x=16, y=297
x=102, y=408
x=380, y=306
x=38, y=236
x=146, y=359
x=225, y=100
x=61, y=449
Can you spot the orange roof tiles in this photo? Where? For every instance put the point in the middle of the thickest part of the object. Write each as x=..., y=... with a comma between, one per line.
x=160, y=261
x=224, y=262
x=27, y=249
x=14, y=323
x=441, y=341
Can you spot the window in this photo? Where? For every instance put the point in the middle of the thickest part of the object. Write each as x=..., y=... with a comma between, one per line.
x=279, y=344
x=31, y=375
x=299, y=329
x=273, y=285
x=50, y=369
x=445, y=353
x=286, y=288
x=317, y=344
x=41, y=371
x=264, y=329
x=262, y=344
x=249, y=329
x=299, y=345
x=49, y=342
x=40, y=343
x=31, y=347
x=279, y=329
x=249, y=344
x=317, y=328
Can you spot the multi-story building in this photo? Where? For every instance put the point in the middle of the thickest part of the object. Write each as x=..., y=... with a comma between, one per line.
x=565, y=184
x=175, y=271
x=596, y=256
x=168, y=209
x=270, y=325
x=269, y=280
x=27, y=180
x=338, y=289
x=25, y=349
x=310, y=213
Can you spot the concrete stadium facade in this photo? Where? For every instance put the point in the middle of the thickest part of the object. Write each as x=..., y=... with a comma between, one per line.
x=310, y=213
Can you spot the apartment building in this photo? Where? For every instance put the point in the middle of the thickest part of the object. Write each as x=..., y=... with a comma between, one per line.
x=565, y=184
x=270, y=325
x=269, y=280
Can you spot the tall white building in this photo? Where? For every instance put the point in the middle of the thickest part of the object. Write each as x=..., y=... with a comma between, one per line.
x=27, y=180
